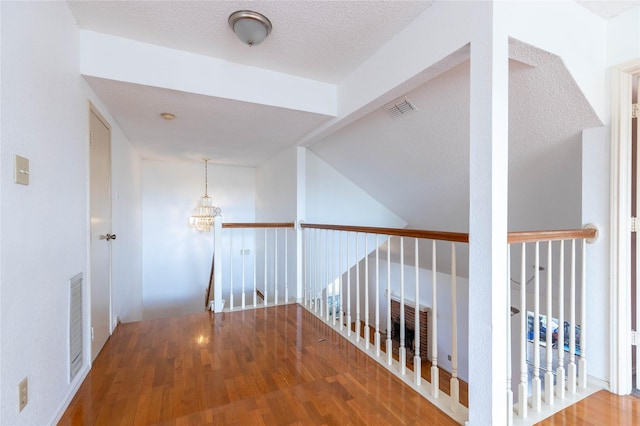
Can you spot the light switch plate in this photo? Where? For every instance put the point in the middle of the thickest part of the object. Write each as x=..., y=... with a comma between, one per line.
x=21, y=170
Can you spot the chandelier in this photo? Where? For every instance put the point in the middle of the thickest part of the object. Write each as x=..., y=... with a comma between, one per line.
x=202, y=220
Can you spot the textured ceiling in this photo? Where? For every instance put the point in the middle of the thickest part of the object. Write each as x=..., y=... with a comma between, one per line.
x=426, y=153
x=609, y=8
x=414, y=165
x=320, y=40
x=227, y=131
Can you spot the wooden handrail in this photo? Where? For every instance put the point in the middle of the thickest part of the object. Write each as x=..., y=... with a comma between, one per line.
x=259, y=225
x=533, y=236
x=457, y=237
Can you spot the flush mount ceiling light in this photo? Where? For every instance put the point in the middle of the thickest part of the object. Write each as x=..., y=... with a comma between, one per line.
x=250, y=27
x=167, y=116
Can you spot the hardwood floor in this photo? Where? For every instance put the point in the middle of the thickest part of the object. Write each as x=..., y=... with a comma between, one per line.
x=601, y=408
x=273, y=366
x=278, y=365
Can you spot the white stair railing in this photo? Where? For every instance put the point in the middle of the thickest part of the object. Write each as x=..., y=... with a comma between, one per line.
x=540, y=333
x=347, y=254
x=257, y=250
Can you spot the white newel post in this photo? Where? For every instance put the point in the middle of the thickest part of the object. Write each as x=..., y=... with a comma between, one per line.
x=488, y=196
x=218, y=302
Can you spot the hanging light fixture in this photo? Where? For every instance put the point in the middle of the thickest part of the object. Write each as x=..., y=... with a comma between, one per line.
x=202, y=220
x=250, y=27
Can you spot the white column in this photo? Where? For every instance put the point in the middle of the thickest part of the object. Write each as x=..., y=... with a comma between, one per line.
x=488, y=177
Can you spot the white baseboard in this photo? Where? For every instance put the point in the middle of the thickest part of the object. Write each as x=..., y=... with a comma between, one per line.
x=73, y=389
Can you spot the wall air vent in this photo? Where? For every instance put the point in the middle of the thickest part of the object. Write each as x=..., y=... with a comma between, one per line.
x=399, y=108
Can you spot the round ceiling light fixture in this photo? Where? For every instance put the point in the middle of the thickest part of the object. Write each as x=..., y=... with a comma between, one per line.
x=167, y=116
x=250, y=27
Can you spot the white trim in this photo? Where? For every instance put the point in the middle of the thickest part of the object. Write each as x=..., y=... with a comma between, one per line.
x=620, y=369
x=78, y=380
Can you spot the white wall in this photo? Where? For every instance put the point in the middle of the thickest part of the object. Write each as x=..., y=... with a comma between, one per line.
x=177, y=258
x=276, y=201
x=276, y=188
x=333, y=199
x=623, y=37
x=44, y=226
x=126, y=250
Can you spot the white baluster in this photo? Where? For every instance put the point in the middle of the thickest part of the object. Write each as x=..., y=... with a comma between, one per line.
x=367, y=333
x=376, y=337
x=323, y=282
x=548, y=375
x=348, y=289
x=582, y=365
x=266, y=292
x=318, y=282
x=389, y=347
x=255, y=272
x=571, y=368
x=340, y=269
x=275, y=266
x=231, y=269
x=243, y=273
x=560, y=372
x=455, y=385
x=509, y=342
x=334, y=280
x=536, y=384
x=435, y=372
x=357, y=327
x=417, y=367
x=328, y=280
x=522, y=385
x=286, y=267
x=309, y=266
x=403, y=349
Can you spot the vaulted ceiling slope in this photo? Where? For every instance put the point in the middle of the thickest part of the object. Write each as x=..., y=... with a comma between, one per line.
x=416, y=165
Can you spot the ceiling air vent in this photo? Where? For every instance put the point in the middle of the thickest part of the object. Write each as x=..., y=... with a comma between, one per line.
x=399, y=108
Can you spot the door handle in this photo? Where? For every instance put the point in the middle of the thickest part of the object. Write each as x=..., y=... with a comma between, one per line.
x=108, y=237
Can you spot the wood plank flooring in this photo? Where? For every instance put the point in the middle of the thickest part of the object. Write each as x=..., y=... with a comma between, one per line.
x=601, y=408
x=273, y=366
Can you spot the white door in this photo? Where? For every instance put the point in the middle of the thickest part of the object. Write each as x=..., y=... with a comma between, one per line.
x=101, y=236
